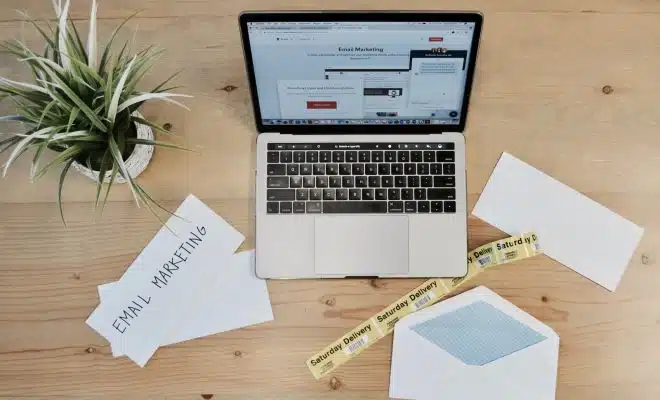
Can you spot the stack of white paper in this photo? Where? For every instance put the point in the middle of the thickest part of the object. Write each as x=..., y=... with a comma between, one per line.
x=187, y=283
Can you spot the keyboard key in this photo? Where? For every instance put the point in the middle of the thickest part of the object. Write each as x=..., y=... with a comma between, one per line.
x=407, y=194
x=394, y=194
x=383, y=169
x=276, y=169
x=342, y=194
x=309, y=181
x=423, y=206
x=397, y=169
x=423, y=169
x=325, y=156
x=338, y=156
x=348, y=181
x=413, y=181
x=410, y=169
x=314, y=207
x=420, y=194
x=442, y=194
x=280, y=194
x=277, y=182
x=344, y=169
x=450, y=207
x=427, y=180
x=302, y=194
x=410, y=207
x=404, y=156
x=448, y=169
x=400, y=181
x=335, y=181
x=376, y=156
x=286, y=157
x=273, y=157
x=416, y=156
x=361, y=181
x=299, y=156
x=395, y=206
x=444, y=181
x=329, y=194
x=316, y=194
x=272, y=207
x=354, y=194
x=364, y=156
x=387, y=181
x=358, y=169
x=436, y=206
x=354, y=207
x=305, y=169
x=444, y=156
x=318, y=169
x=351, y=156
x=380, y=194
x=292, y=169
x=295, y=181
x=371, y=169
x=298, y=207
x=374, y=181
x=331, y=169
x=436, y=169
x=312, y=157
x=367, y=194
x=429, y=156
x=286, y=207
x=321, y=181
x=390, y=156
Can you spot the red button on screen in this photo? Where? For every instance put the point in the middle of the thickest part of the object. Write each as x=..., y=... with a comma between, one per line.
x=436, y=39
x=321, y=105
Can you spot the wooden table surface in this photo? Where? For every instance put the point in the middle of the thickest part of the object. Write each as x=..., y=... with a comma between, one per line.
x=539, y=94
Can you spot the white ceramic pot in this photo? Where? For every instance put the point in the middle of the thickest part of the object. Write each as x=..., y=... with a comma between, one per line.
x=136, y=163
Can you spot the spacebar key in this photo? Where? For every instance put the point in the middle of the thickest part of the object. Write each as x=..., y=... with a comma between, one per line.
x=354, y=207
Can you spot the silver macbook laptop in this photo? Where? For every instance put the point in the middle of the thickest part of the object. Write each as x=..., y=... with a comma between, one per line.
x=361, y=155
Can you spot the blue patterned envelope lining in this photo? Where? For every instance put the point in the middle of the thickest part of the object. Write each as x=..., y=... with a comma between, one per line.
x=478, y=333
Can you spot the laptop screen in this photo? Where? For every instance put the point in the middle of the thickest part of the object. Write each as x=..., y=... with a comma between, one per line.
x=354, y=72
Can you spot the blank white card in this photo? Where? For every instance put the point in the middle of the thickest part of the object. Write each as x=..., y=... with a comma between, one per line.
x=573, y=229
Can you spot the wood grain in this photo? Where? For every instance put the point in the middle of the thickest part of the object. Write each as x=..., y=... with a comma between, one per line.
x=538, y=95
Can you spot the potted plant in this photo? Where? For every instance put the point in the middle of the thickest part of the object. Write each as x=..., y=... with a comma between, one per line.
x=84, y=107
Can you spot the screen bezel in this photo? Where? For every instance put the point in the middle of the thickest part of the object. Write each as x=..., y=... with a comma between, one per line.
x=353, y=16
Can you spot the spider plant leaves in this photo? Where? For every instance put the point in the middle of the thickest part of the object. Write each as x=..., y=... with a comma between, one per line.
x=103, y=168
x=91, y=39
x=148, y=142
x=62, y=47
x=116, y=96
x=60, y=184
x=150, y=124
x=22, y=144
x=116, y=154
x=65, y=156
x=154, y=96
x=108, y=46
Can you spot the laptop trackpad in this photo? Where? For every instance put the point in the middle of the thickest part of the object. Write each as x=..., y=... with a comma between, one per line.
x=361, y=245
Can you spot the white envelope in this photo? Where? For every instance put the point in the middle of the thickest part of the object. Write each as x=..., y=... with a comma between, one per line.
x=423, y=370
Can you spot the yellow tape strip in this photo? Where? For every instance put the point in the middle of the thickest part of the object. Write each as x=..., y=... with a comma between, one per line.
x=380, y=325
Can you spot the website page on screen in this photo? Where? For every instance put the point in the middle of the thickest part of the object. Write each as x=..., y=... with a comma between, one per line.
x=360, y=72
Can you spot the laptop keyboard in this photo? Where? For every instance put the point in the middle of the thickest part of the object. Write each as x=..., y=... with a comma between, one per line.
x=360, y=178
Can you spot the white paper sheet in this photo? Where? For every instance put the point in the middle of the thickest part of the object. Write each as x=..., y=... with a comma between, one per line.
x=178, y=266
x=237, y=299
x=422, y=370
x=573, y=229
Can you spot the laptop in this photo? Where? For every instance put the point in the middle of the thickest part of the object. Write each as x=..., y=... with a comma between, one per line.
x=360, y=153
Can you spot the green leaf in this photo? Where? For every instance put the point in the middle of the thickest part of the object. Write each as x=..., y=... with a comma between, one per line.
x=166, y=81
x=41, y=31
x=37, y=155
x=67, y=155
x=17, y=118
x=46, y=110
x=108, y=46
x=60, y=184
x=72, y=118
x=155, y=127
x=23, y=143
x=7, y=144
x=113, y=176
x=154, y=96
x=155, y=143
x=116, y=154
x=114, y=103
x=103, y=168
